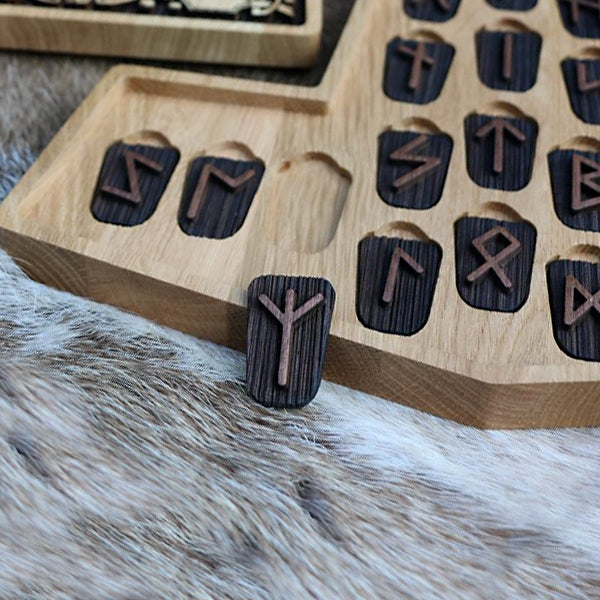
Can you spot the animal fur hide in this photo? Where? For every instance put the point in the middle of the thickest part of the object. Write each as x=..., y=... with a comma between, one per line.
x=133, y=466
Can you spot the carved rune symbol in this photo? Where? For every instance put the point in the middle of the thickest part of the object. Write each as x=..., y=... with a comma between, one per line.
x=507, y=56
x=392, y=276
x=499, y=126
x=583, y=84
x=420, y=58
x=588, y=180
x=572, y=316
x=133, y=195
x=288, y=318
x=497, y=261
x=201, y=190
x=576, y=4
x=428, y=163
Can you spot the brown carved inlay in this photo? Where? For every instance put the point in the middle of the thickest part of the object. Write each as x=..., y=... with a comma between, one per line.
x=507, y=56
x=420, y=59
x=428, y=163
x=495, y=262
x=583, y=84
x=209, y=171
x=288, y=318
x=581, y=179
x=390, y=283
x=133, y=195
x=592, y=301
x=499, y=125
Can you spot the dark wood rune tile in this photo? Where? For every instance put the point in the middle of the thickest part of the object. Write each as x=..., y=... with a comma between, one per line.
x=415, y=71
x=500, y=151
x=574, y=293
x=513, y=4
x=396, y=283
x=412, y=168
x=508, y=60
x=288, y=328
x=431, y=10
x=494, y=261
x=217, y=196
x=582, y=78
x=575, y=178
x=580, y=17
x=131, y=183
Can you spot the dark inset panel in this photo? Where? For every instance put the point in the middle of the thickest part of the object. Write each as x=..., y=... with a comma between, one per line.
x=396, y=283
x=508, y=60
x=574, y=292
x=513, y=4
x=288, y=12
x=131, y=183
x=500, y=151
x=575, y=178
x=494, y=261
x=412, y=168
x=582, y=78
x=217, y=196
x=415, y=71
x=580, y=17
x=431, y=10
x=288, y=328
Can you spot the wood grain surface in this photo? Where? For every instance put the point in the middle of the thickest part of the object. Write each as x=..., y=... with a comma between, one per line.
x=318, y=199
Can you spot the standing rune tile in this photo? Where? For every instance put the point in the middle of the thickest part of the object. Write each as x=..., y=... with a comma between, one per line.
x=396, y=283
x=581, y=17
x=415, y=71
x=412, y=168
x=288, y=328
x=574, y=293
x=500, y=151
x=131, y=182
x=431, y=10
x=575, y=178
x=582, y=78
x=217, y=196
x=508, y=60
x=494, y=261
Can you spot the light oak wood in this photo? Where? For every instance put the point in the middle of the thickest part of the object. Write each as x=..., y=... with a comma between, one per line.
x=316, y=202
x=102, y=33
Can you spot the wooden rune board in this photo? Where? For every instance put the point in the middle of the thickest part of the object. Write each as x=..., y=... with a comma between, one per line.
x=444, y=176
x=284, y=33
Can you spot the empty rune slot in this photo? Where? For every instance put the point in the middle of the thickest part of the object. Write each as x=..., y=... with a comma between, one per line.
x=396, y=283
x=131, y=183
x=415, y=71
x=431, y=10
x=494, y=262
x=412, y=168
x=581, y=17
x=508, y=60
x=582, y=78
x=217, y=196
x=307, y=195
x=500, y=150
x=575, y=178
x=574, y=293
x=288, y=329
